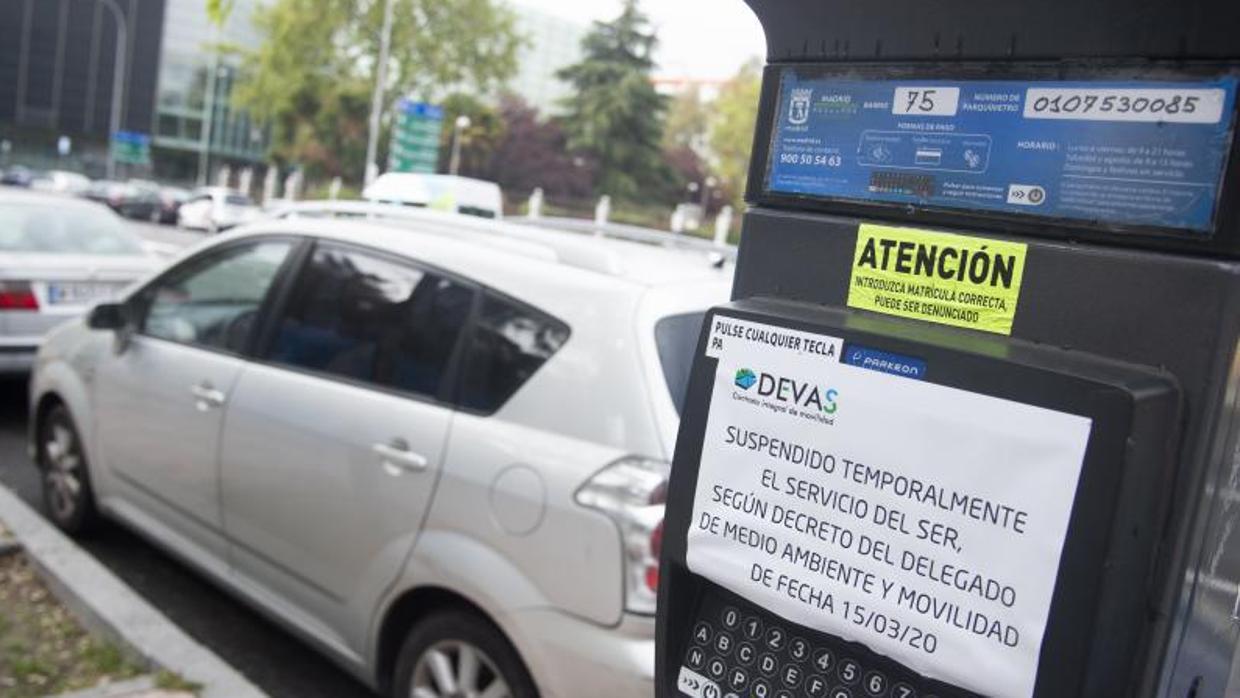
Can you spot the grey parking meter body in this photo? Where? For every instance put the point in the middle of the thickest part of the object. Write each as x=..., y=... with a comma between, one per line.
x=968, y=426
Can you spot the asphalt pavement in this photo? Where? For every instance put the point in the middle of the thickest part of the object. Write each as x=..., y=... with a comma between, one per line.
x=273, y=659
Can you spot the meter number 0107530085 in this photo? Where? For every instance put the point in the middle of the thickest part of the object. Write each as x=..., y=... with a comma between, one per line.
x=1201, y=106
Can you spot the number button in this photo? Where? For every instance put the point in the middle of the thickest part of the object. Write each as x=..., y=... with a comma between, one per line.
x=816, y=686
x=903, y=690
x=723, y=643
x=702, y=633
x=841, y=692
x=760, y=689
x=695, y=658
x=799, y=649
x=753, y=628
x=824, y=660
x=745, y=653
x=775, y=639
x=716, y=668
x=767, y=664
x=849, y=671
x=791, y=676
x=875, y=684
x=731, y=618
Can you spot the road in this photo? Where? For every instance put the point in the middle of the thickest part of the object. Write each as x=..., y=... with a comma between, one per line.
x=273, y=659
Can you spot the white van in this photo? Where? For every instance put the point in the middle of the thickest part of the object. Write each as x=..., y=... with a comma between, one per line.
x=474, y=197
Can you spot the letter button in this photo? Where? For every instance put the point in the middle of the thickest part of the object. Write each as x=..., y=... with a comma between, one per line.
x=745, y=653
x=781, y=693
x=695, y=658
x=723, y=643
x=760, y=689
x=816, y=686
x=702, y=633
x=738, y=679
x=791, y=676
x=875, y=684
x=799, y=649
x=731, y=618
x=716, y=668
x=841, y=692
x=767, y=664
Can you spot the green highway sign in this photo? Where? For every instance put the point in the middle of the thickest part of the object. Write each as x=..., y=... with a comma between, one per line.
x=131, y=148
x=415, y=137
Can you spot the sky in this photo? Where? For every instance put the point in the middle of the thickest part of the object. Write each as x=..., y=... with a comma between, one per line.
x=703, y=39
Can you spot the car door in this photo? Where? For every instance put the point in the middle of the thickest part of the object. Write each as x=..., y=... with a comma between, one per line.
x=162, y=392
x=334, y=438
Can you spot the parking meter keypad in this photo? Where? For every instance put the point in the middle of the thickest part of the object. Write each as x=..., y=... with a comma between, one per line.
x=736, y=650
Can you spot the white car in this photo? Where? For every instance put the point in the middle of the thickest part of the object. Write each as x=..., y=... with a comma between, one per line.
x=58, y=257
x=215, y=209
x=474, y=197
x=434, y=445
x=62, y=182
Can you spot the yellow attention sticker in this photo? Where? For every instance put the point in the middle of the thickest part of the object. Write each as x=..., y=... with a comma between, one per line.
x=937, y=277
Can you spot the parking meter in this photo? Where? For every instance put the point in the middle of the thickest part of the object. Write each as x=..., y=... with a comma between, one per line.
x=968, y=426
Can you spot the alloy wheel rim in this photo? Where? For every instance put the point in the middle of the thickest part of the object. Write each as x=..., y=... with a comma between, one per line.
x=62, y=473
x=456, y=669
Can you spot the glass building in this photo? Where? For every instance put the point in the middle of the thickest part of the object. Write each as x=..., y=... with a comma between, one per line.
x=196, y=130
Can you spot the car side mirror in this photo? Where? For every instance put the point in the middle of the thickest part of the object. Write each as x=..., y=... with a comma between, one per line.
x=108, y=316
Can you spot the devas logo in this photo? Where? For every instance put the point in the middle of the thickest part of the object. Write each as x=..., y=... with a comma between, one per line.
x=779, y=388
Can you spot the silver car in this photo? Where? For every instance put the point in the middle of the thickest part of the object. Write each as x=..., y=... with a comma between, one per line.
x=58, y=257
x=434, y=445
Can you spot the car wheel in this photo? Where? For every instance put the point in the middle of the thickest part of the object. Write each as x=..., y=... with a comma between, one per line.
x=67, y=494
x=458, y=654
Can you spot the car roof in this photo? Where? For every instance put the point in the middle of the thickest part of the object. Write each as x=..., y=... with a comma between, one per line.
x=554, y=270
x=49, y=198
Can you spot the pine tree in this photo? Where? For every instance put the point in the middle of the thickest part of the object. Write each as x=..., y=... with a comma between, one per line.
x=615, y=114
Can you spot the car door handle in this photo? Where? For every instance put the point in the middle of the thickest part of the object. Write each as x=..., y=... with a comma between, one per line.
x=206, y=396
x=397, y=458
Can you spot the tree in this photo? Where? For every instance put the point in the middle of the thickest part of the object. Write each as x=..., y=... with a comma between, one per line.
x=317, y=54
x=688, y=120
x=533, y=153
x=731, y=130
x=478, y=140
x=615, y=116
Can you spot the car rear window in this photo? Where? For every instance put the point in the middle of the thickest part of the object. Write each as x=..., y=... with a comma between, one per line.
x=61, y=229
x=238, y=200
x=675, y=336
x=510, y=341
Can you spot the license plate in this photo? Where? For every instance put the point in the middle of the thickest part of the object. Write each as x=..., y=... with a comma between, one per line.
x=75, y=293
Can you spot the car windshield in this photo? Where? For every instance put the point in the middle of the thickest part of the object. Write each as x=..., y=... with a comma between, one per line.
x=238, y=200
x=26, y=227
x=675, y=336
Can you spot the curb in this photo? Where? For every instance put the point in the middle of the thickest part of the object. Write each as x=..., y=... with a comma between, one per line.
x=109, y=607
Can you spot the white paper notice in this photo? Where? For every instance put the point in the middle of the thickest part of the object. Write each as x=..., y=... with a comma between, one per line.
x=923, y=521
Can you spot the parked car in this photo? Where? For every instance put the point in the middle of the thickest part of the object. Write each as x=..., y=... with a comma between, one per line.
x=61, y=182
x=215, y=209
x=435, y=445
x=57, y=258
x=474, y=197
x=129, y=200
x=17, y=176
x=170, y=200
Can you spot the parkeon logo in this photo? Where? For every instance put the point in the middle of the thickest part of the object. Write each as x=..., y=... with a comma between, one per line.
x=745, y=378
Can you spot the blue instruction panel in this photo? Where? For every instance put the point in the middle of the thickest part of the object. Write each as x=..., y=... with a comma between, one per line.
x=1116, y=153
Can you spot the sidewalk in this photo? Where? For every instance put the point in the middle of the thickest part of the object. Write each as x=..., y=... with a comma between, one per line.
x=109, y=608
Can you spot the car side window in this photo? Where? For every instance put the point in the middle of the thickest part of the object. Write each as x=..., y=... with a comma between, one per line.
x=509, y=343
x=371, y=319
x=214, y=300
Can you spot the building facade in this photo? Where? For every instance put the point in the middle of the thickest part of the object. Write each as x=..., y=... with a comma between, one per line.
x=552, y=43
x=56, y=75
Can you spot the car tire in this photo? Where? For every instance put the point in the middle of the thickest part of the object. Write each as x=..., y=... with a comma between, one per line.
x=459, y=653
x=67, y=495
